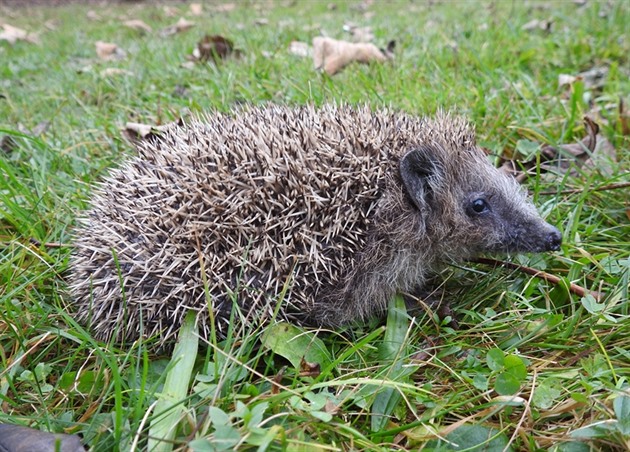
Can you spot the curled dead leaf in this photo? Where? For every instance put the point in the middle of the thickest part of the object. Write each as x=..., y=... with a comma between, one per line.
x=180, y=26
x=137, y=25
x=113, y=71
x=196, y=9
x=309, y=369
x=170, y=11
x=225, y=7
x=93, y=15
x=13, y=34
x=593, y=78
x=359, y=34
x=109, y=51
x=277, y=380
x=300, y=49
x=8, y=143
x=136, y=132
x=593, y=151
x=537, y=24
x=214, y=48
x=333, y=55
x=331, y=407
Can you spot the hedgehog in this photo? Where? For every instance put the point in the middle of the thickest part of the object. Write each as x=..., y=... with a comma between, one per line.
x=315, y=215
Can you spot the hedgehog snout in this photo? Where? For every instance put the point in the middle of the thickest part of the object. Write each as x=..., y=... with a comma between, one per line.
x=553, y=240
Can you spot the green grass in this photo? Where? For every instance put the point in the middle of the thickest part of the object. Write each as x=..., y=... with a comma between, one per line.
x=398, y=386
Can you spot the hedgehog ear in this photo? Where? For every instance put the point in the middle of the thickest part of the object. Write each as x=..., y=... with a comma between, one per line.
x=417, y=168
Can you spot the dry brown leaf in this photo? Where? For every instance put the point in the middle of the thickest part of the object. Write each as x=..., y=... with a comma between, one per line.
x=359, y=34
x=331, y=407
x=8, y=144
x=181, y=25
x=136, y=132
x=108, y=51
x=225, y=7
x=113, y=71
x=13, y=34
x=300, y=49
x=593, y=78
x=93, y=15
x=333, y=55
x=170, y=11
x=196, y=9
x=593, y=151
x=309, y=369
x=536, y=24
x=214, y=48
x=137, y=24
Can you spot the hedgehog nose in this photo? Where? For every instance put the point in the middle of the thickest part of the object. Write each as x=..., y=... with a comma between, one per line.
x=554, y=240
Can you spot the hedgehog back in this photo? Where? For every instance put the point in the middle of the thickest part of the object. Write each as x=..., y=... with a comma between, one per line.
x=233, y=208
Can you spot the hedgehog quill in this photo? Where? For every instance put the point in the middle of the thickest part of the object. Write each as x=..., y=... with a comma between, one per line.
x=346, y=206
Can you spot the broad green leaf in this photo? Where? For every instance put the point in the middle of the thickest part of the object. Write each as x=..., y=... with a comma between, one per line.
x=621, y=405
x=572, y=446
x=295, y=344
x=218, y=416
x=546, y=394
x=507, y=384
x=474, y=438
x=226, y=437
x=168, y=409
x=601, y=429
x=387, y=399
x=480, y=382
x=515, y=366
x=591, y=305
x=495, y=359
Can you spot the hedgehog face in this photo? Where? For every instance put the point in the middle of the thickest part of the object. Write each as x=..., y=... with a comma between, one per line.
x=473, y=207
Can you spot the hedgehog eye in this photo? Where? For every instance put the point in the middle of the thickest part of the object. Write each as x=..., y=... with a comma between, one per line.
x=478, y=206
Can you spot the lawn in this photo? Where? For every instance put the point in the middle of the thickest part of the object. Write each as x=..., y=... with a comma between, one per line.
x=535, y=363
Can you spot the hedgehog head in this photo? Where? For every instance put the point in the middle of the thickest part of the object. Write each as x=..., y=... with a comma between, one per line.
x=468, y=206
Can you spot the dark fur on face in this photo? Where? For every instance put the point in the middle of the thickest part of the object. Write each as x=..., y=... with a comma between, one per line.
x=344, y=206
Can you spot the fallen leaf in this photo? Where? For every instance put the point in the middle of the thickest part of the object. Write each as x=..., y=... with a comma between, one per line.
x=536, y=24
x=566, y=79
x=333, y=55
x=170, y=11
x=277, y=380
x=331, y=407
x=112, y=71
x=109, y=51
x=225, y=7
x=181, y=25
x=309, y=369
x=92, y=15
x=136, y=132
x=137, y=25
x=300, y=49
x=196, y=9
x=359, y=34
x=592, y=79
x=593, y=151
x=214, y=48
x=13, y=34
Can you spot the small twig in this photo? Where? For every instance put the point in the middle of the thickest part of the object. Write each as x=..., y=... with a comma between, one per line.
x=47, y=245
x=580, y=190
x=574, y=288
